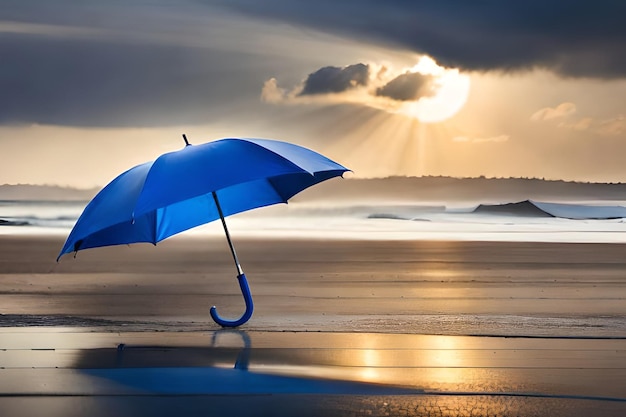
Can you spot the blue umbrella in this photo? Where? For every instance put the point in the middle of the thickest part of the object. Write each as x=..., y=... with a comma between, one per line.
x=194, y=186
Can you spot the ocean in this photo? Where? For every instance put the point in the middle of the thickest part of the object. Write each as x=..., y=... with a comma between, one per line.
x=528, y=220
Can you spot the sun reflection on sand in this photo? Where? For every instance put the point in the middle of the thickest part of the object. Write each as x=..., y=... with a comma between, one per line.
x=371, y=359
x=442, y=361
x=447, y=364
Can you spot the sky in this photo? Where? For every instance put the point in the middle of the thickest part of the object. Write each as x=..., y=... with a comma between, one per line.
x=434, y=87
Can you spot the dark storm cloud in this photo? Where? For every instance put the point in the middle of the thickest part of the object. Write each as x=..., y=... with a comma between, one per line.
x=335, y=80
x=125, y=63
x=569, y=37
x=76, y=82
x=409, y=87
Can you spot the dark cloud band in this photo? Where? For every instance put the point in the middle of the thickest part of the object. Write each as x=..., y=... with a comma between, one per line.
x=336, y=80
x=75, y=82
x=408, y=87
x=571, y=38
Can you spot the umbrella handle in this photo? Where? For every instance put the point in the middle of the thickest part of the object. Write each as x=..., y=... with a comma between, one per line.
x=245, y=291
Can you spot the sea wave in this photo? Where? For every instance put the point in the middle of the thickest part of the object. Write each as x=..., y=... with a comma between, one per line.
x=530, y=208
x=7, y=222
x=55, y=222
x=44, y=214
x=392, y=216
x=520, y=209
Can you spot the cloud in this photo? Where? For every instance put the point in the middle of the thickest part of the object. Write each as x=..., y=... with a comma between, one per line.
x=130, y=63
x=564, y=115
x=335, y=79
x=409, y=86
x=492, y=139
x=413, y=92
x=271, y=92
x=612, y=127
x=615, y=126
x=139, y=63
x=583, y=124
x=570, y=38
x=550, y=113
x=81, y=83
x=55, y=31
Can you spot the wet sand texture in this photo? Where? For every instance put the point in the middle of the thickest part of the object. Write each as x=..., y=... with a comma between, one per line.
x=340, y=328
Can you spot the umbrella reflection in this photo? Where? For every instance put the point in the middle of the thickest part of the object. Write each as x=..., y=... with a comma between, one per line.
x=243, y=358
x=223, y=368
x=290, y=374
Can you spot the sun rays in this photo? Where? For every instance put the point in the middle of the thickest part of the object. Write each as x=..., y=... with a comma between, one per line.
x=381, y=144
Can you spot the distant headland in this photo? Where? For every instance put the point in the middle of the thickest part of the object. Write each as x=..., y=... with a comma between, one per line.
x=428, y=188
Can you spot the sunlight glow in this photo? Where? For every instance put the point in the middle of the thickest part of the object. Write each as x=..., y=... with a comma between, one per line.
x=426, y=91
x=452, y=92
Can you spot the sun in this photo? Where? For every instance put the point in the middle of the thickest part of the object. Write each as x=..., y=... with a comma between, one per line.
x=452, y=90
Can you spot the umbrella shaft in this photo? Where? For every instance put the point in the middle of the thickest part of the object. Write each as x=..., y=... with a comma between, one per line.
x=230, y=243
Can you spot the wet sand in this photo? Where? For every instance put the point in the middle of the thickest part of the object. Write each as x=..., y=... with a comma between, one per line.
x=340, y=328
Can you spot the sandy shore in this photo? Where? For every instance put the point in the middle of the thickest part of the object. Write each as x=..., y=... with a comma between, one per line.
x=453, y=288
x=439, y=328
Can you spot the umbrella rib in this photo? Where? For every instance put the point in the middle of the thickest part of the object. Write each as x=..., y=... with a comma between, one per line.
x=230, y=243
x=284, y=158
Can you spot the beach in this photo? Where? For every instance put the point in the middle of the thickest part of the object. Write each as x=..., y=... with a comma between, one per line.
x=312, y=208
x=403, y=327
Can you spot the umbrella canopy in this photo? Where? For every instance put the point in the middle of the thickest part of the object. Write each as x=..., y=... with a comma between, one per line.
x=194, y=186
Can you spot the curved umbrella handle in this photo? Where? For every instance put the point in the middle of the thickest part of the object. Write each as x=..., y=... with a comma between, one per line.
x=245, y=291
